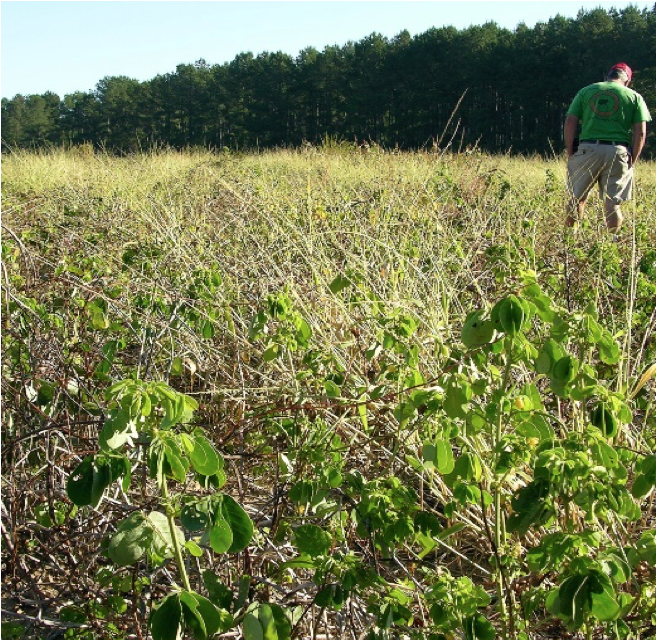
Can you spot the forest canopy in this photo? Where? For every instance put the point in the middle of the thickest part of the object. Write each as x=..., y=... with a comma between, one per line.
x=501, y=90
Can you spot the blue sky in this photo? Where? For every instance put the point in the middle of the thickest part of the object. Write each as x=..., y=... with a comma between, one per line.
x=69, y=46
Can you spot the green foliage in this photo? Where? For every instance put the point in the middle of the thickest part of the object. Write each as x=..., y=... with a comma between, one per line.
x=386, y=370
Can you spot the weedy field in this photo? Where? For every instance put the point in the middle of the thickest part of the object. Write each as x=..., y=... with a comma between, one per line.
x=326, y=393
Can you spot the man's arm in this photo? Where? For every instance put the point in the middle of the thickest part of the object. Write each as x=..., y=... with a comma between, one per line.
x=639, y=136
x=571, y=130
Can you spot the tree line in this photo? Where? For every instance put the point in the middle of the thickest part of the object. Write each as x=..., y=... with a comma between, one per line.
x=483, y=86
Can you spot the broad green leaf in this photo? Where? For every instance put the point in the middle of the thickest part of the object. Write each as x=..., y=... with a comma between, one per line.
x=312, y=540
x=118, y=429
x=444, y=456
x=174, y=457
x=302, y=492
x=550, y=353
x=265, y=616
x=645, y=479
x=602, y=417
x=603, y=604
x=193, y=549
x=192, y=617
x=162, y=542
x=283, y=626
x=204, y=457
x=215, y=619
x=102, y=478
x=271, y=352
x=165, y=620
x=477, y=627
x=207, y=329
x=508, y=315
x=339, y=283
x=79, y=486
x=219, y=594
x=609, y=350
x=615, y=567
x=332, y=595
x=196, y=516
x=131, y=541
x=303, y=332
x=332, y=389
x=476, y=331
x=252, y=628
x=645, y=549
x=531, y=507
x=429, y=454
x=240, y=524
x=565, y=369
x=221, y=536
x=176, y=366
x=573, y=596
x=457, y=395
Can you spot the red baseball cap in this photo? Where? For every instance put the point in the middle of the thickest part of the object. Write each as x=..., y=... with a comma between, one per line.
x=622, y=66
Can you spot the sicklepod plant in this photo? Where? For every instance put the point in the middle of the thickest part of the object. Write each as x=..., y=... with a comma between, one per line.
x=147, y=424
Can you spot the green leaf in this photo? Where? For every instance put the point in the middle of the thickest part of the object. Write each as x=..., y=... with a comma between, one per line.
x=603, y=605
x=215, y=619
x=102, y=478
x=444, y=456
x=303, y=332
x=573, y=596
x=550, y=353
x=332, y=389
x=283, y=626
x=131, y=540
x=565, y=369
x=195, y=515
x=252, y=628
x=207, y=329
x=165, y=620
x=174, y=457
x=457, y=396
x=477, y=332
x=508, y=315
x=204, y=457
x=221, y=537
x=312, y=540
x=477, y=627
x=332, y=595
x=193, y=549
x=602, y=417
x=439, y=455
x=219, y=594
x=192, y=617
x=531, y=507
x=609, y=350
x=302, y=492
x=79, y=486
x=271, y=352
x=339, y=284
x=265, y=616
x=240, y=524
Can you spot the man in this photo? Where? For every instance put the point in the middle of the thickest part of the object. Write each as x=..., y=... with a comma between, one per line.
x=613, y=129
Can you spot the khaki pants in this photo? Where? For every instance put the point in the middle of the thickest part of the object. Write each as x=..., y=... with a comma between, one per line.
x=605, y=165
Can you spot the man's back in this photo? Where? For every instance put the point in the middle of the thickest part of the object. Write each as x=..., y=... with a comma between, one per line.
x=608, y=111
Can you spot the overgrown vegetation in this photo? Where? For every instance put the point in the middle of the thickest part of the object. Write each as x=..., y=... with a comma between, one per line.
x=335, y=393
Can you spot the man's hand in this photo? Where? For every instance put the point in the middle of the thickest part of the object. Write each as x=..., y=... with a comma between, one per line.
x=639, y=136
x=571, y=129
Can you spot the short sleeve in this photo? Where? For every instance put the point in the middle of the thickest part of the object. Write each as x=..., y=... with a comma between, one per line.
x=641, y=113
x=576, y=108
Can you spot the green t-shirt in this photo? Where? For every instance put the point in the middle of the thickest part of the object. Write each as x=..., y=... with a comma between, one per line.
x=608, y=111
